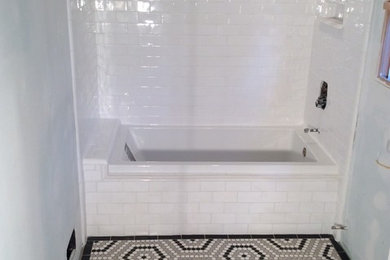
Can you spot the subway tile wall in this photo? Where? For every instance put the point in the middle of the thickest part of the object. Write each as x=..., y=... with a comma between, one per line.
x=203, y=62
x=337, y=58
x=84, y=52
x=128, y=206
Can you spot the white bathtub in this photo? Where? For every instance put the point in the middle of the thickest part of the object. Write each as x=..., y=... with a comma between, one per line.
x=208, y=180
x=217, y=150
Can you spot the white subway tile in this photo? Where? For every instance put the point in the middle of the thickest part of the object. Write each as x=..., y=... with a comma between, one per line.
x=117, y=197
x=312, y=207
x=310, y=229
x=285, y=228
x=273, y=196
x=330, y=207
x=297, y=218
x=261, y=207
x=228, y=33
x=98, y=219
x=200, y=196
x=92, y=175
x=289, y=186
x=332, y=186
x=249, y=196
x=137, y=230
x=235, y=228
x=165, y=229
x=322, y=218
x=238, y=186
x=235, y=210
x=211, y=207
x=88, y=167
x=149, y=219
x=314, y=186
x=189, y=207
x=109, y=187
x=287, y=207
x=272, y=218
x=165, y=186
x=148, y=197
x=325, y=196
x=93, y=230
x=244, y=218
x=260, y=229
x=198, y=218
x=91, y=208
x=236, y=207
x=135, y=186
x=224, y=196
x=213, y=228
x=175, y=196
x=223, y=218
x=263, y=186
x=299, y=196
x=122, y=219
x=213, y=186
x=110, y=209
x=338, y=121
x=90, y=187
x=111, y=230
x=92, y=198
x=133, y=208
x=162, y=208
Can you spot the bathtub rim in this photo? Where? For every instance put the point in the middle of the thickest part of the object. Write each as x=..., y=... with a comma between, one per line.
x=324, y=167
x=222, y=171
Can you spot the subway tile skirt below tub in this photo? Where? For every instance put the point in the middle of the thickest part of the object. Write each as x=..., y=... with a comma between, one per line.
x=121, y=206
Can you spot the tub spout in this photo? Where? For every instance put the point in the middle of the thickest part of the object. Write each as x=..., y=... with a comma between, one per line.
x=311, y=130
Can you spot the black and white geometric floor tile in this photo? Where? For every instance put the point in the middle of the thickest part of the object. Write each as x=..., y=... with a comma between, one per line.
x=289, y=247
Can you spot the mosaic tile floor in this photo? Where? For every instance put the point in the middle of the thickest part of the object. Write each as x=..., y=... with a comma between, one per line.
x=209, y=247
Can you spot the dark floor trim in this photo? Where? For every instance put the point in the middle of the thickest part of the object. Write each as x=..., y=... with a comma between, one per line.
x=340, y=250
x=215, y=236
x=87, y=249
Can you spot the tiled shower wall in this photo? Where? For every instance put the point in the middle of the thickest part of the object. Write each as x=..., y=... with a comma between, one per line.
x=201, y=62
x=84, y=52
x=337, y=58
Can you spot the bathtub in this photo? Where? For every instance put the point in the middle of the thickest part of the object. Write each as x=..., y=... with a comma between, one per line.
x=216, y=150
x=208, y=180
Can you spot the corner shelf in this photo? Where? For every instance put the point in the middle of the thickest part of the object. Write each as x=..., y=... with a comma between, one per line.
x=331, y=12
x=332, y=21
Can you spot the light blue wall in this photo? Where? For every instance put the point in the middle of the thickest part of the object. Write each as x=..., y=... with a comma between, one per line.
x=39, y=205
x=368, y=202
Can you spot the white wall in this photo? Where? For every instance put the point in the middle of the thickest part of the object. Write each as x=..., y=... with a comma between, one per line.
x=337, y=57
x=368, y=204
x=202, y=62
x=38, y=187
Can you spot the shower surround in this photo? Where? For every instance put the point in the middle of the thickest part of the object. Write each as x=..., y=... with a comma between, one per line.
x=213, y=63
